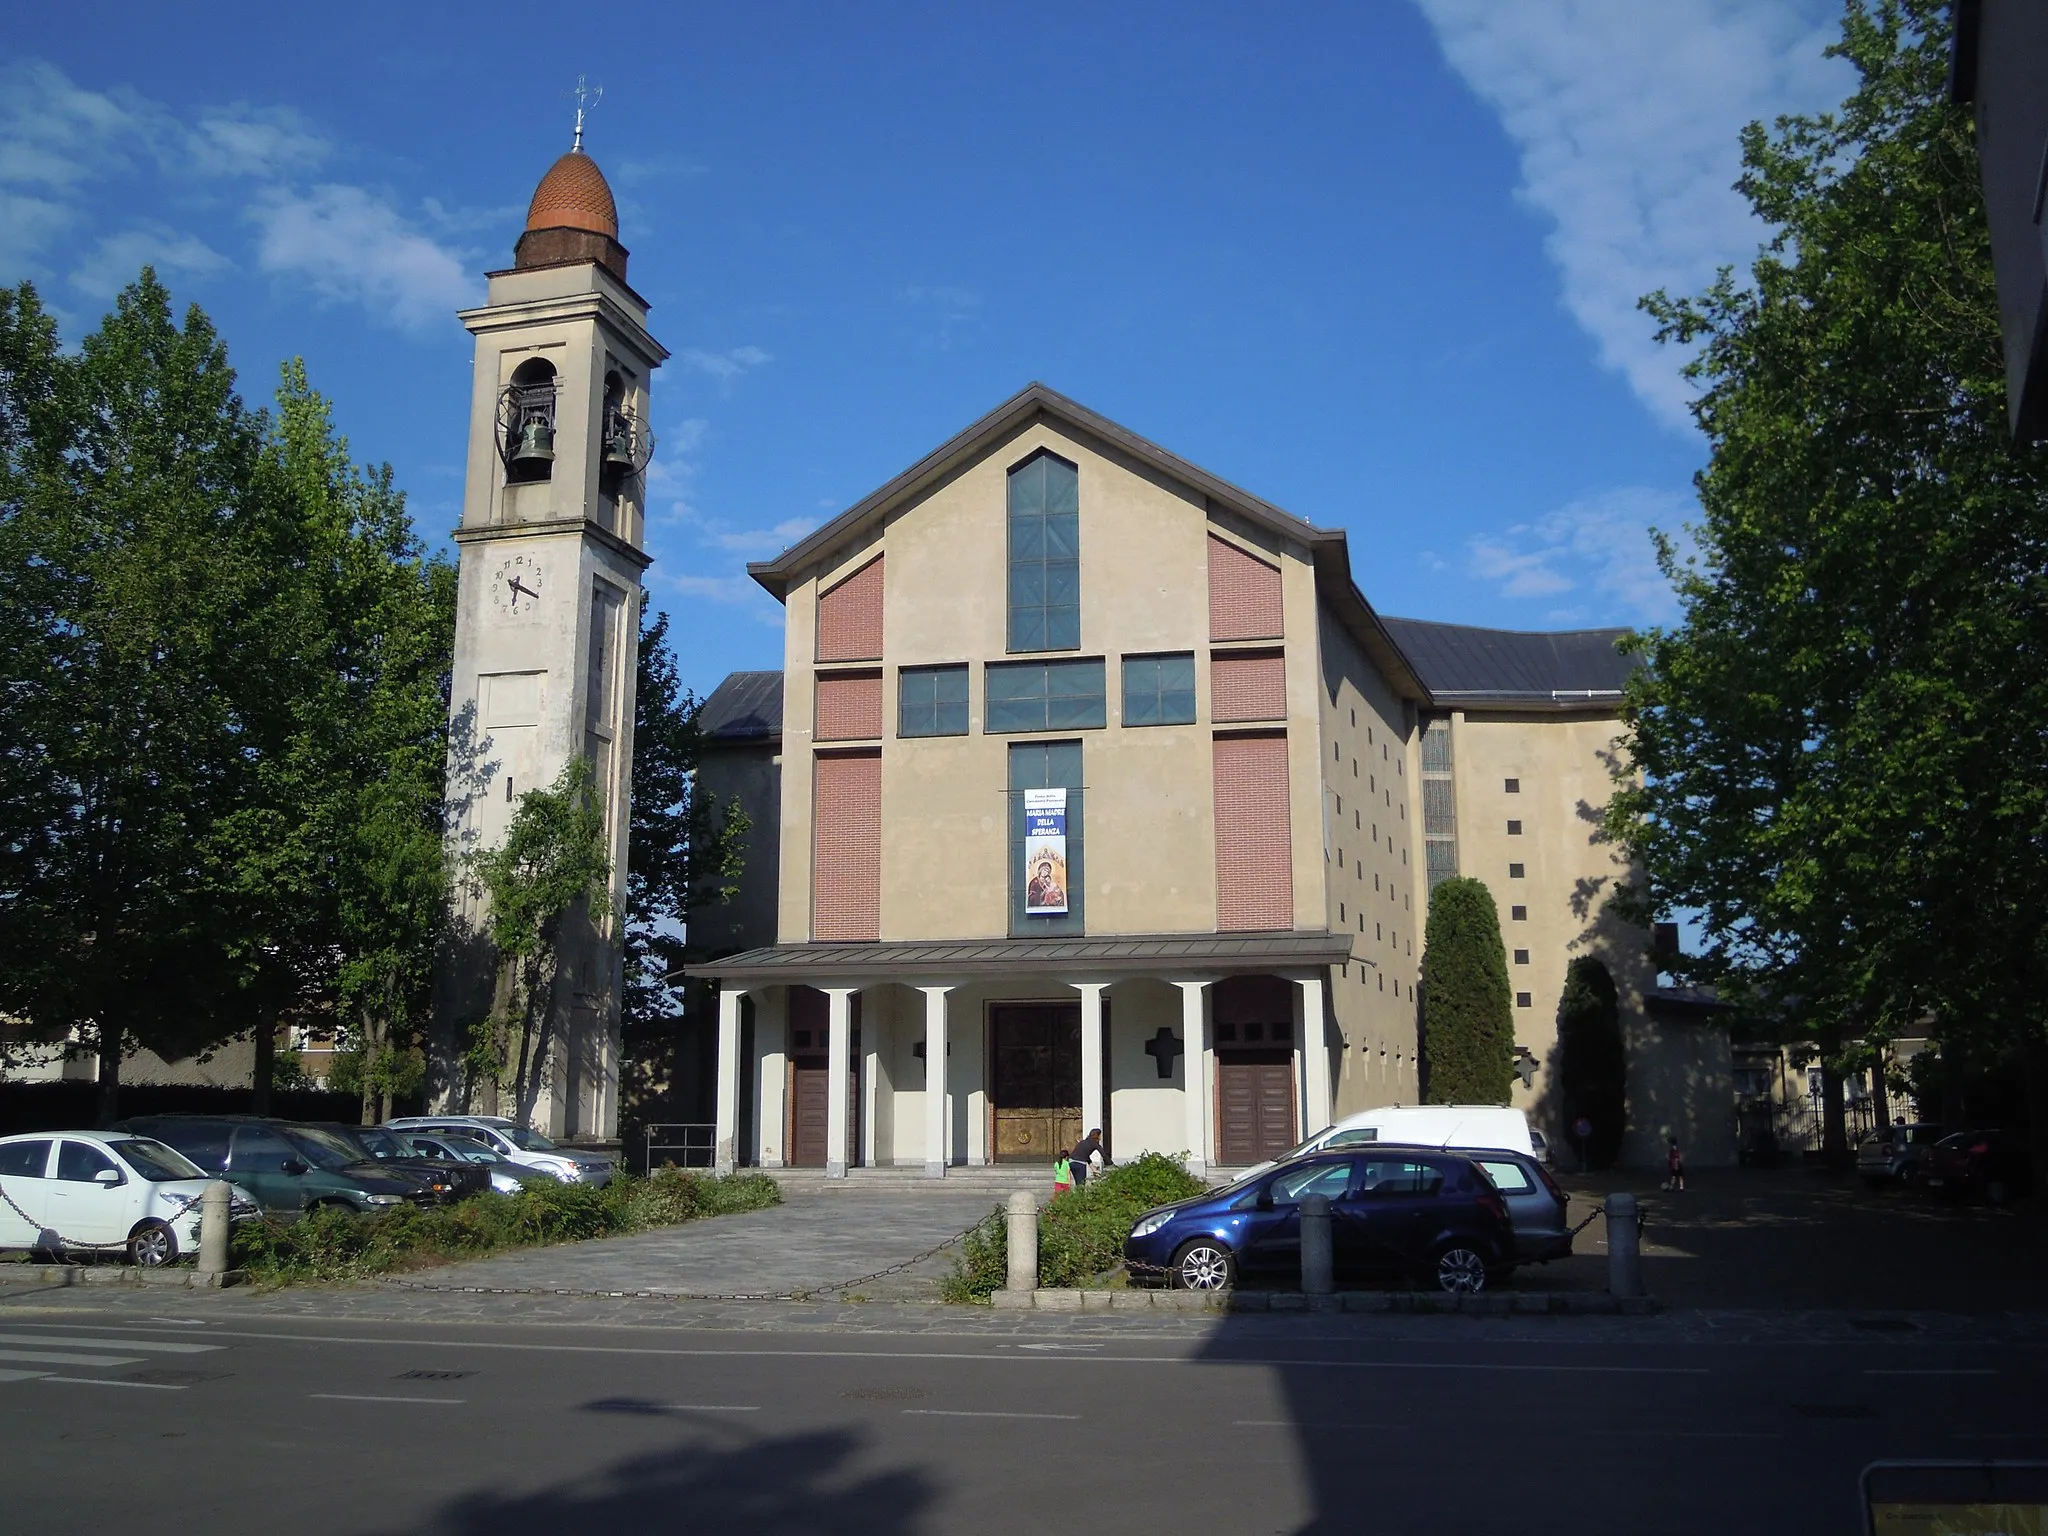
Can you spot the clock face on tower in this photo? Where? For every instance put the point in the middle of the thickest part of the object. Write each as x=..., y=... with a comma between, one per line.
x=516, y=586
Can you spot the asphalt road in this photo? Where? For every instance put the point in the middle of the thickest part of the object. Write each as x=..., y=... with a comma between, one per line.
x=199, y=1418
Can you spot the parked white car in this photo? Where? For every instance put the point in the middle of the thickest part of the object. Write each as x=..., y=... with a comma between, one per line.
x=1454, y=1126
x=515, y=1143
x=102, y=1189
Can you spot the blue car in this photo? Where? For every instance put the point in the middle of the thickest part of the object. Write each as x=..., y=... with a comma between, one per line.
x=1416, y=1214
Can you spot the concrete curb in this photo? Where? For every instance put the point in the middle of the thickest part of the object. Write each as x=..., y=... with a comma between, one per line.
x=1493, y=1304
x=65, y=1275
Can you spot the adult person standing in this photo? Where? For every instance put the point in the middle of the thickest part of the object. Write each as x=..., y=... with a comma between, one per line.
x=1582, y=1133
x=1087, y=1156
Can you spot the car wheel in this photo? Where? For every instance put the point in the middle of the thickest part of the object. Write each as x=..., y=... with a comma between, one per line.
x=152, y=1245
x=1460, y=1269
x=1203, y=1265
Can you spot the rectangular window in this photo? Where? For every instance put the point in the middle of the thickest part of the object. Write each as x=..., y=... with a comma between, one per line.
x=1521, y=957
x=1513, y=786
x=1518, y=914
x=1439, y=804
x=1045, y=696
x=1047, y=765
x=1524, y=1000
x=931, y=701
x=1160, y=690
x=1514, y=829
x=1045, y=555
x=1514, y=871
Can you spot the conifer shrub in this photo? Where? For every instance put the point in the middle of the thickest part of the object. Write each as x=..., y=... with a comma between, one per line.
x=1468, y=1018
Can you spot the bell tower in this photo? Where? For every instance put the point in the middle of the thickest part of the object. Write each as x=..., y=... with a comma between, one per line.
x=547, y=630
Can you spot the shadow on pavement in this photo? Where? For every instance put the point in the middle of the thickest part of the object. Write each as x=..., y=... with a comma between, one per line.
x=719, y=1480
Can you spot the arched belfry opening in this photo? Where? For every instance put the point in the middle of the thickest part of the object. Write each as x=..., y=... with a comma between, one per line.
x=526, y=420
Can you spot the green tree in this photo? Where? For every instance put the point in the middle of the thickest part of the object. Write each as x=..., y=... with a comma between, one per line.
x=683, y=854
x=1843, y=753
x=1468, y=1020
x=551, y=867
x=1592, y=1062
x=127, y=549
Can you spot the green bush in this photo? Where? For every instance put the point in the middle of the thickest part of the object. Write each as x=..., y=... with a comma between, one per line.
x=339, y=1244
x=1468, y=1017
x=1080, y=1235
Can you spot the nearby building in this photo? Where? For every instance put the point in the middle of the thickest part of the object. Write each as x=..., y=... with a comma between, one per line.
x=1094, y=792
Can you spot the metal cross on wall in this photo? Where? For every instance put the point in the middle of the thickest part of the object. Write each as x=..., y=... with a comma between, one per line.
x=1163, y=1048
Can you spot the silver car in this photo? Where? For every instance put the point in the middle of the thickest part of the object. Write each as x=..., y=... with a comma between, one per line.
x=1537, y=1208
x=515, y=1143
x=507, y=1177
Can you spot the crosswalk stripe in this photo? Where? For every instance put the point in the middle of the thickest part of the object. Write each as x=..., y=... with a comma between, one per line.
x=70, y=1341
x=22, y=1375
x=51, y=1357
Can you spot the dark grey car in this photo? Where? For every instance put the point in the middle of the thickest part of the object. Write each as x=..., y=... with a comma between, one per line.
x=1536, y=1206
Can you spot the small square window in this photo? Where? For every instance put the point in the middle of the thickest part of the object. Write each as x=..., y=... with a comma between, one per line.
x=1513, y=786
x=1514, y=829
x=1160, y=690
x=1524, y=1000
x=1521, y=957
x=1514, y=872
x=931, y=701
x=1518, y=914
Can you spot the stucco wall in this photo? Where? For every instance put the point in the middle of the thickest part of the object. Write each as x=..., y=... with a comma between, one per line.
x=750, y=776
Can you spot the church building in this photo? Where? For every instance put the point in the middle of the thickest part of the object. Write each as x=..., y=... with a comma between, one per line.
x=1094, y=792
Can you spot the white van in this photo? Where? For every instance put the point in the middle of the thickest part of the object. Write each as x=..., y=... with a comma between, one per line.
x=1480, y=1126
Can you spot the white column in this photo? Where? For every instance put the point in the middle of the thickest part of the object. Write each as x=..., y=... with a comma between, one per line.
x=771, y=1074
x=936, y=1148
x=840, y=1043
x=1091, y=1054
x=726, y=1154
x=1315, y=1051
x=1194, y=1072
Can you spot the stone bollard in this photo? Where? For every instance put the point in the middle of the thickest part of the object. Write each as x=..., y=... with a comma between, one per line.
x=1318, y=1272
x=1023, y=1241
x=1624, y=1247
x=213, y=1228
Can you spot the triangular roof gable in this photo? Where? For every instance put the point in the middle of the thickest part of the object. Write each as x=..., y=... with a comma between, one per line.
x=1328, y=546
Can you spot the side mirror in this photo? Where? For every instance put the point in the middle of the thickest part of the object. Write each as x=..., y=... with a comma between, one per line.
x=292, y=1166
x=1265, y=1199
x=110, y=1177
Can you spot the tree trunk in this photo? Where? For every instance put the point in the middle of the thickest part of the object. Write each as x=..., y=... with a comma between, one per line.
x=109, y=1076
x=265, y=1074
x=1880, y=1100
x=1834, y=1135
x=369, y=1094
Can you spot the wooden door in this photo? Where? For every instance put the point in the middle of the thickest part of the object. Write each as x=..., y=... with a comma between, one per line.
x=1254, y=1106
x=808, y=1132
x=1035, y=1080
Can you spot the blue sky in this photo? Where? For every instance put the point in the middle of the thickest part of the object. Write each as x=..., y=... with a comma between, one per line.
x=1375, y=262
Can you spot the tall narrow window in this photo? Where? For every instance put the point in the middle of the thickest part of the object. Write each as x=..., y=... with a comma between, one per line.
x=1439, y=804
x=603, y=684
x=1045, y=555
x=1046, y=765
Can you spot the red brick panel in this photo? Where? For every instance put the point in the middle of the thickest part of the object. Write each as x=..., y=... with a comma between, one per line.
x=1247, y=687
x=850, y=617
x=1244, y=594
x=1254, y=847
x=846, y=848
x=849, y=706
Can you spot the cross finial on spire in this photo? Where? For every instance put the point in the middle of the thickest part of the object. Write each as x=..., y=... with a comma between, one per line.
x=586, y=97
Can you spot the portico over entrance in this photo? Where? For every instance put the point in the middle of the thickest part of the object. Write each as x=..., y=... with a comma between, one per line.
x=1218, y=1047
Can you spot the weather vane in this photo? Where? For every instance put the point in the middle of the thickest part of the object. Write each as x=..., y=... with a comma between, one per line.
x=585, y=96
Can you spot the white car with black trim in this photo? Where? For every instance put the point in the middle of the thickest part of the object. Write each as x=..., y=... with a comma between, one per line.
x=84, y=1191
x=515, y=1143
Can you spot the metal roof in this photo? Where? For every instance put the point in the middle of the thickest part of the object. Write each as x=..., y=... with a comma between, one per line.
x=746, y=707
x=1461, y=664
x=1139, y=954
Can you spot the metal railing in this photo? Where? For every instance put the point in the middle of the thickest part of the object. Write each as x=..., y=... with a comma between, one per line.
x=680, y=1144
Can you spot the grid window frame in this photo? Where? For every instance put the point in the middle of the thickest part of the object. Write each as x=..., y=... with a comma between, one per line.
x=1070, y=695
x=925, y=702
x=1153, y=694
x=1042, y=589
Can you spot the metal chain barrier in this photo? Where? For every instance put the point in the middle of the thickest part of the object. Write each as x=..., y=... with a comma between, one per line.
x=66, y=1244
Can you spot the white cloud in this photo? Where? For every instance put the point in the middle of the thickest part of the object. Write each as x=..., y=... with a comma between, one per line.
x=723, y=366
x=1602, y=544
x=351, y=246
x=957, y=309
x=118, y=259
x=1625, y=114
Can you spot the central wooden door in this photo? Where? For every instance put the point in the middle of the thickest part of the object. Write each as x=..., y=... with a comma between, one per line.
x=1254, y=1106
x=1035, y=1079
x=808, y=1077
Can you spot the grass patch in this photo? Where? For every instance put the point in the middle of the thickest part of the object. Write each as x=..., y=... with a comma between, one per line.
x=333, y=1245
x=1080, y=1235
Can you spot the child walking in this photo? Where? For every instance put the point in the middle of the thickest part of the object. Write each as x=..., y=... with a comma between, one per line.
x=1674, y=1163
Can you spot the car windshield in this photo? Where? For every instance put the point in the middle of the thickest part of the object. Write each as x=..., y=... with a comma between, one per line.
x=157, y=1162
x=525, y=1140
x=382, y=1143
x=323, y=1149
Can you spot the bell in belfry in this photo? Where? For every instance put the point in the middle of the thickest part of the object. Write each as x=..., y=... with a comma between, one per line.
x=618, y=444
x=536, y=444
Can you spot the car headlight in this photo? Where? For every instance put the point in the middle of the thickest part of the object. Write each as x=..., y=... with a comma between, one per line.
x=1150, y=1224
x=567, y=1171
x=385, y=1199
